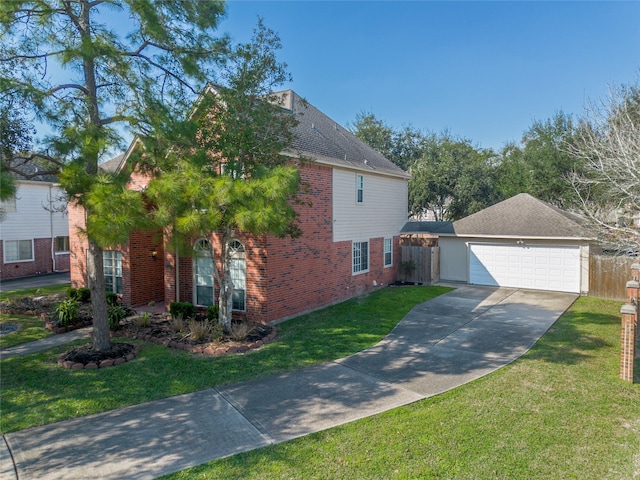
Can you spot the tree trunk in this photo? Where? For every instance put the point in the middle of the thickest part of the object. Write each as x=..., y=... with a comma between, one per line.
x=225, y=298
x=95, y=277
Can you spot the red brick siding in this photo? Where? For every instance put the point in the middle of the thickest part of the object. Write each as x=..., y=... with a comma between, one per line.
x=284, y=276
x=77, y=246
x=288, y=276
x=41, y=264
x=146, y=280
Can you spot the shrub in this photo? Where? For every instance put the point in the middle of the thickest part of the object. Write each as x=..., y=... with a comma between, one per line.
x=178, y=324
x=212, y=312
x=199, y=330
x=142, y=320
x=217, y=331
x=112, y=299
x=67, y=311
x=182, y=309
x=82, y=295
x=115, y=313
x=239, y=330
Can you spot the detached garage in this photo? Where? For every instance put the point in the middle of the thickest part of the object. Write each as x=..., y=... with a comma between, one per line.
x=521, y=242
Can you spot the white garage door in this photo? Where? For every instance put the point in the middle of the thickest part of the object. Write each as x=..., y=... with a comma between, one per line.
x=539, y=268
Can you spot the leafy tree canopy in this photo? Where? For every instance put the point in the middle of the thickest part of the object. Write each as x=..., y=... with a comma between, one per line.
x=89, y=70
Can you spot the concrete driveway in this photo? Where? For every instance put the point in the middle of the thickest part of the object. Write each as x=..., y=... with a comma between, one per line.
x=439, y=345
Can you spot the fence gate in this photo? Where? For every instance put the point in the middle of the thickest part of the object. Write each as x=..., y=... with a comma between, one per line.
x=419, y=264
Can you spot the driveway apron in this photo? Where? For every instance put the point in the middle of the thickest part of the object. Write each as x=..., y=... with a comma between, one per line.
x=439, y=345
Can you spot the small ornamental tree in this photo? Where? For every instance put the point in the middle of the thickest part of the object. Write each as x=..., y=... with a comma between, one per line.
x=607, y=143
x=89, y=69
x=232, y=176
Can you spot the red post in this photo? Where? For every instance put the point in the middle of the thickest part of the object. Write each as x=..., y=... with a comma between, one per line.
x=635, y=271
x=628, y=341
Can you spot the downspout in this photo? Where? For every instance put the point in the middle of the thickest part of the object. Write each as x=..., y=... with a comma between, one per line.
x=53, y=238
x=177, y=276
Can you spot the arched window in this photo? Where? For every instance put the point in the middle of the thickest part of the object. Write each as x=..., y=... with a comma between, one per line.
x=238, y=269
x=202, y=273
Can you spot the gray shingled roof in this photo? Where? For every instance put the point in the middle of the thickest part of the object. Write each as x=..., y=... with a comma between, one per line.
x=112, y=165
x=435, y=228
x=29, y=171
x=321, y=138
x=519, y=216
x=318, y=137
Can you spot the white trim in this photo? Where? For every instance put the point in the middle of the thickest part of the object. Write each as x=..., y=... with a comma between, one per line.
x=4, y=251
x=368, y=258
x=384, y=252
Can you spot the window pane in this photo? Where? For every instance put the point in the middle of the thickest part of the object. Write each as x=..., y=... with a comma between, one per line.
x=11, y=251
x=203, y=273
x=112, y=264
x=360, y=256
x=62, y=244
x=388, y=258
x=117, y=260
x=204, y=295
x=25, y=250
x=238, y=271
x=359, y=188
x=238, y=299
x=364, y=262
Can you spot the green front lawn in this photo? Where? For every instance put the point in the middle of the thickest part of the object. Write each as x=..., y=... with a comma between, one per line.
x=30, y=328
x=558, y=412
x=34, y=291
x=36, y=391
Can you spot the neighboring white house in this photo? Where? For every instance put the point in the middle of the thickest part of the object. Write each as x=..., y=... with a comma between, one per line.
x=34, y=230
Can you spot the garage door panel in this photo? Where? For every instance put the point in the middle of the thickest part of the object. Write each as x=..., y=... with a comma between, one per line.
x=543, y=268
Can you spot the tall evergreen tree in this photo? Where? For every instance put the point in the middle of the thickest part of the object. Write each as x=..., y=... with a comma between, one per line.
x=232, y=176
x=89, y=69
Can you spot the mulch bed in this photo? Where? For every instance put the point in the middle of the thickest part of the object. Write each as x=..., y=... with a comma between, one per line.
x=159, y=330
x=86, y=357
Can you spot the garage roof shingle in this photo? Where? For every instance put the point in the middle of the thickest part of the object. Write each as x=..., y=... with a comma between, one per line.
x=519, y=216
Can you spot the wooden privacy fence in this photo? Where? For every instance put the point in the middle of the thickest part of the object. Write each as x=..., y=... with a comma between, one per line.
x=608, y=276
x=419, y=264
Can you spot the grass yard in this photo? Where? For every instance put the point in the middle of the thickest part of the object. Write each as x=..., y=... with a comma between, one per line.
x=558, y=412
x=34, y=291
x=36, y=391
x=30, y=328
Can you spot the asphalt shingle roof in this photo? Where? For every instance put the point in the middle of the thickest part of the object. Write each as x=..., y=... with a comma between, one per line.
x=321, y=138
x=519, y=216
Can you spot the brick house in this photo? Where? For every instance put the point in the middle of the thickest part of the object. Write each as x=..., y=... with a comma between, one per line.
x=348, y=246
x=34, y=229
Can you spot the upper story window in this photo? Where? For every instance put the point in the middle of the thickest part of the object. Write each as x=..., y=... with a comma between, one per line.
x=388, y=252
x=360, y=257
x=18, y=251
x=359, y=188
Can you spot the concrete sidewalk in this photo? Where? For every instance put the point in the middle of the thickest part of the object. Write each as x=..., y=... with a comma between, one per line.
x=439, y=345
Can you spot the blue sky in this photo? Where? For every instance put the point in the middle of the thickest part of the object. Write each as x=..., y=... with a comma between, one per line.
x=483, y=70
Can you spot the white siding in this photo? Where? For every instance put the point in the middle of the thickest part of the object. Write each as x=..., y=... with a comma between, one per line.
x=31, y=219
x=382, y=213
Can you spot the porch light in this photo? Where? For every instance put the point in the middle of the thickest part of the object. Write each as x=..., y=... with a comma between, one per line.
x=154, y=253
